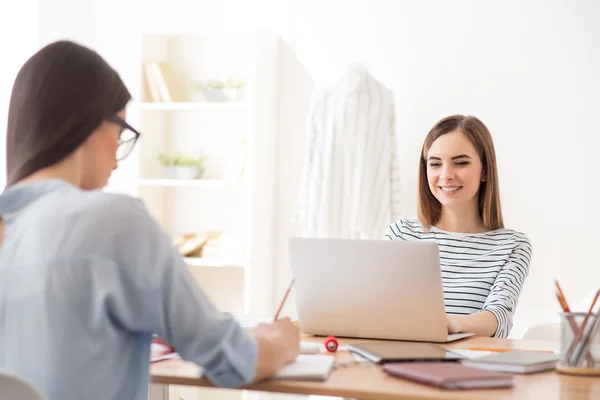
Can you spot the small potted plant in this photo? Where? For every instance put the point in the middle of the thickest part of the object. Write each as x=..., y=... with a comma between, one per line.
x=235, y=89
x=182, y=166
x=218, y=90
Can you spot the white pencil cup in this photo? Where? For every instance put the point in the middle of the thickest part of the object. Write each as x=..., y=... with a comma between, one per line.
x=579, y=349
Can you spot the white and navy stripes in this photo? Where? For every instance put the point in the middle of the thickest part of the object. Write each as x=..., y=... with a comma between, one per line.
x=483, y=271
x=350, y=183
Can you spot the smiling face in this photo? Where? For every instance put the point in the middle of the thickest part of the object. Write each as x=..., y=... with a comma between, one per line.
x=457, y=170
x=454, y=170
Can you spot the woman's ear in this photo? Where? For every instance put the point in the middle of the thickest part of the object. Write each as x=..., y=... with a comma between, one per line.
x=484, y=177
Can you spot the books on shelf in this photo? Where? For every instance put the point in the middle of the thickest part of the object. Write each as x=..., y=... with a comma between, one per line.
x=224, y=246
x=209, y=245
x=160, y=82
x=190, y=245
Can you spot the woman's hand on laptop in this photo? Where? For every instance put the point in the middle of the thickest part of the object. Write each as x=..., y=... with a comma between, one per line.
x=454, y=325
x=278, y=344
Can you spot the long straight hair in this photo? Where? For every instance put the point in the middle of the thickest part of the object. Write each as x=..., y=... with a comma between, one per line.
x=490, y=210
x=60, y=96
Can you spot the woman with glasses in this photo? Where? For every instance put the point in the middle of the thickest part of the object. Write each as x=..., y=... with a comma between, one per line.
x=87, y=277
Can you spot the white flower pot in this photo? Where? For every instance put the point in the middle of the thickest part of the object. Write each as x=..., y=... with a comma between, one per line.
x=214, y=95
x=235, y=94
x=227, y=94
x=182, y=172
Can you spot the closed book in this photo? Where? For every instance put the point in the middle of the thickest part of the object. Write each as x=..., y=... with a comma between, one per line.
x=446, y=375
x=515, y=361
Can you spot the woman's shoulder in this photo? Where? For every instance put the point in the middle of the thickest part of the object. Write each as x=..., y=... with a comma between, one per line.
x=413, y=228
x=120, y=218
x=404, y=227
x=502, y=237
x=112, y=210
x=118, y=201
x=518, y=236
x=521, y=248
x=412, y=224
x=521, y=239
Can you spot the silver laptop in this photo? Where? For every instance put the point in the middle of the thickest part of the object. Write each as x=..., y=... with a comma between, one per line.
x=377, y=289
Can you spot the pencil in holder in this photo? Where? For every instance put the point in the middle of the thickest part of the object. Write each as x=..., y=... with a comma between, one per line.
x=580, y=343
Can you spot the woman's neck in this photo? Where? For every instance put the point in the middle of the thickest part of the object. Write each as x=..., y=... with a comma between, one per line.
x=65, y=170
x=461, y=219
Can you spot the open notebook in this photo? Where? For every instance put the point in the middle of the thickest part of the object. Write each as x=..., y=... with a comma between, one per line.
x=307, y=367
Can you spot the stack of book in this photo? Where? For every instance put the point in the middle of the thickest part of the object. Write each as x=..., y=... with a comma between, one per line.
x=515, y=361
x=160, y=83
x=191, y=245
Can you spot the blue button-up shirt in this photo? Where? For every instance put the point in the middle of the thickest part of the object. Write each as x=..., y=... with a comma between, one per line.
x=86, y=278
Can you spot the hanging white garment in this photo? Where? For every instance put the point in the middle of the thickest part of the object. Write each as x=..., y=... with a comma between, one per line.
x=350, y=182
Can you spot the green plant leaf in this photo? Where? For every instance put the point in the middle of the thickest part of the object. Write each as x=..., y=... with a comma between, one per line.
x=177, y=158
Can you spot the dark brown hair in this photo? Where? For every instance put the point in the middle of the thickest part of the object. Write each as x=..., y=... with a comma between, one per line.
x=430, y=209
x=60, y=96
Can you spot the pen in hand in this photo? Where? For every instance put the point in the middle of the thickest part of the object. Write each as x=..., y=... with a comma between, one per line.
x=281, y=340
x=283, y=300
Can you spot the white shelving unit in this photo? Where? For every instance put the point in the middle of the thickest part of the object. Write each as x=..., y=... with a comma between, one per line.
x=224, y=199
x=207, y=262
x=188, y=183
x=198, y=105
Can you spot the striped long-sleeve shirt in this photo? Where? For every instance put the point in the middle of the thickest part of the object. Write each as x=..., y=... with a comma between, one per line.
x=350, y=184
x=482, y=271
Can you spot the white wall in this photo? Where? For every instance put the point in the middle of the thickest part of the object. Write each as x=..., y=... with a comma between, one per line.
x=114, y=29
x=18, y=40
x=529, y=69
x=25, y=27
x=66, y=19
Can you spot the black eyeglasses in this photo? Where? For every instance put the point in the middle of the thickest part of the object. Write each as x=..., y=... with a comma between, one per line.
x=127, y=139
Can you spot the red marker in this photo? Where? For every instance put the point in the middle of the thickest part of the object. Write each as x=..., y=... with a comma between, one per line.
x=331, y=344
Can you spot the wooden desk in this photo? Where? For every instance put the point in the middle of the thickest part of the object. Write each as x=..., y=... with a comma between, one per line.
x=370, y=382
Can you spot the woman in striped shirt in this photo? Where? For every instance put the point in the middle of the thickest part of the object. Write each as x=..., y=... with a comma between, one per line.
x=484, y=265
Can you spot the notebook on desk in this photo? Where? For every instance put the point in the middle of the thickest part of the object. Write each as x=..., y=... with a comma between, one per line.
x=515, y=361
x=391, y=351
x=307, y=367
x=449, y=375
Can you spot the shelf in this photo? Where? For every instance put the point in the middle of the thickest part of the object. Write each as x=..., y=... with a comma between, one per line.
x=212, y=262
x=216, y=105
x=188, y=183
x=217, y=30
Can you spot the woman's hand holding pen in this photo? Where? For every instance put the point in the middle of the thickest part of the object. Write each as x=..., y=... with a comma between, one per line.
x=278, y=344
x=288, y=334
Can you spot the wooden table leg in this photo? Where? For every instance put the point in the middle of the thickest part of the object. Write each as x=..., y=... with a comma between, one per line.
x=158, y=392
